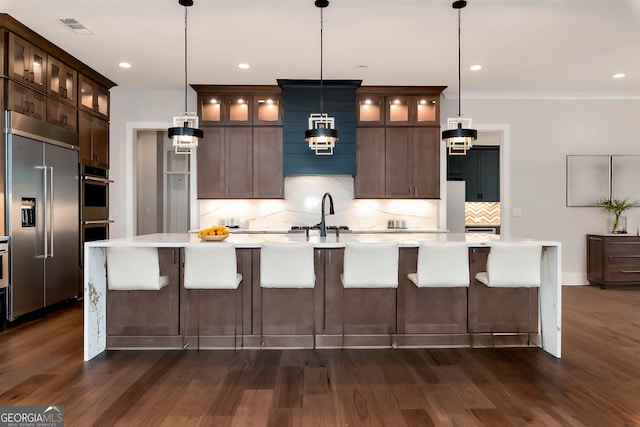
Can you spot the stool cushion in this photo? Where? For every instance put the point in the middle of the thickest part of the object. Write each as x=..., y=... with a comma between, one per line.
x=134, y=269
x=512, y=265
x=287, y=265
x=211, y=265
x=370, y=265
x=442, y=264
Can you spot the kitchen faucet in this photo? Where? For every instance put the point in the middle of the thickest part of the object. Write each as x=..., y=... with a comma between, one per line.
x=322, y=225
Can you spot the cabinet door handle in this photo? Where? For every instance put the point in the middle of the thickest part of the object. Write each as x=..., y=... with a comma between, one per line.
x=26, y=75
x=33, y=76
x=64, y=92
x=415, y=193
x=63, y=119
x=26, y=107
x=33, y=107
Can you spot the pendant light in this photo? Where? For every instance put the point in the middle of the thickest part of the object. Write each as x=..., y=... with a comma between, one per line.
x=459, y=133
x=185, y=132
x=321, y=135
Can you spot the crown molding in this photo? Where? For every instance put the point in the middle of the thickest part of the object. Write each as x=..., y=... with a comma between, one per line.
x=545, y=95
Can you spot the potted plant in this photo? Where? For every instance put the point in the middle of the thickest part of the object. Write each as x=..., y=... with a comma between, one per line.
x=616, y=206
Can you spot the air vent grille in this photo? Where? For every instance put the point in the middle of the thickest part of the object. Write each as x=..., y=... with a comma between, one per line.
x=74, y=25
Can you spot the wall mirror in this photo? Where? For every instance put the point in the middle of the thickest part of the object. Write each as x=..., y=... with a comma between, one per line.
x=593, y=177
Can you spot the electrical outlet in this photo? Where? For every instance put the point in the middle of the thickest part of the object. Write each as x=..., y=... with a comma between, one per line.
x=517, y=212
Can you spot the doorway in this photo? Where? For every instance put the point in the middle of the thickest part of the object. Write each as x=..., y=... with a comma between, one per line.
x=476, y=205
x=162, y=185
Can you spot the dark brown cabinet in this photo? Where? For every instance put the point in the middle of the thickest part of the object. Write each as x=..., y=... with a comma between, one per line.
x=268, y=181
x=613, y=260
x=62, y=82
x=62, y=115
x=415, y=110
x=93, y=134
x=370, y=182
x=27, y=63
x=241, y=154
x=225, y=163
x=398, y=142
x=238, y=106
x=94, y=98
x=412, y=163
x=26, y=101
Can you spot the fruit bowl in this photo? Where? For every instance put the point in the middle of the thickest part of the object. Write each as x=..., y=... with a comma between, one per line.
x=217, y=238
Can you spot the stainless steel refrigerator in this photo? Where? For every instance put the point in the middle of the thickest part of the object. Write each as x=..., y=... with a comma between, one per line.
x=42, y=213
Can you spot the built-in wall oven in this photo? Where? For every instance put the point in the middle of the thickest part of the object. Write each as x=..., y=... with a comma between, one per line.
x=95, y=205
x=95, y=193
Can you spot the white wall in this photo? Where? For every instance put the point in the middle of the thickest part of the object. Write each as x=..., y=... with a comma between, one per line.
x=541, y=133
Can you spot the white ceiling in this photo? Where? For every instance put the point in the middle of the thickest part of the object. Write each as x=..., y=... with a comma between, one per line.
x=523, y=45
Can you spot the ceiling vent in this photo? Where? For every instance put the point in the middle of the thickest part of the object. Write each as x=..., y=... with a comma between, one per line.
x=74, y=25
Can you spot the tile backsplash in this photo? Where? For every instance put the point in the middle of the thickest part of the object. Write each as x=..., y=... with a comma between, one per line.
x=301, y=206
x=482, y=213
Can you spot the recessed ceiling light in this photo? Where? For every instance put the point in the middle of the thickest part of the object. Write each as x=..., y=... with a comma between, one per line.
x=243, y=66
x=124, y=65
x=619, y=75
x=475, y=67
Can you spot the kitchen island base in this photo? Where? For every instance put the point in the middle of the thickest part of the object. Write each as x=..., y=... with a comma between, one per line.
x=434, y=317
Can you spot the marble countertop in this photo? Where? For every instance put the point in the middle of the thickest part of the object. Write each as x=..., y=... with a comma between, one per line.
x=242, y=240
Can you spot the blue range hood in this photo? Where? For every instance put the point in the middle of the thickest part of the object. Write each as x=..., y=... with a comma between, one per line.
x=302, y=98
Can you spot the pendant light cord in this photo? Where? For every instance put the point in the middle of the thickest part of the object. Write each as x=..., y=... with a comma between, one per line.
x=459, y=73
x=321, y=50
x=185, y=60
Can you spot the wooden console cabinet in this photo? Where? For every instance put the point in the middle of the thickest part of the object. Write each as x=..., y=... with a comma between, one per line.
x=613, y=260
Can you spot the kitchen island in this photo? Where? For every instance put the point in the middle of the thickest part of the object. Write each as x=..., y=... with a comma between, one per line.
x=543, y=306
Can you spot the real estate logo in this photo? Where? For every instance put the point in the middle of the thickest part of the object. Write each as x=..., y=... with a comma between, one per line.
x=31, y=416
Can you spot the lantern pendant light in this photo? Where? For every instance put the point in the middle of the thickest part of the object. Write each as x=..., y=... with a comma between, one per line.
x=321, y=135
x=459, y=135
x=185, y=132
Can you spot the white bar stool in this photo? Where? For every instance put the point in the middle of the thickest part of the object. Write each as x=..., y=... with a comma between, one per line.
x=442, y=265
x=134, y=269
x=370, y=266
x=212, y=266
x=513, y=265
x=286, y=266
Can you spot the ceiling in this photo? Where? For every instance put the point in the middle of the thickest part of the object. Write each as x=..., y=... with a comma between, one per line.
x=522, y=45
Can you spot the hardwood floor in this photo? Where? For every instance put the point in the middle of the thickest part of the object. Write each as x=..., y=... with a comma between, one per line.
x=596, y=383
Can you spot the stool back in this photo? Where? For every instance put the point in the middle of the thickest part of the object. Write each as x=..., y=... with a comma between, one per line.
x=443, y=264
x=370, y=265
x=134, y=269
x=287, y=265
x=211, y=265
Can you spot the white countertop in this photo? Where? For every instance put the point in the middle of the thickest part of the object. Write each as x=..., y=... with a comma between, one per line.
x=246, y=240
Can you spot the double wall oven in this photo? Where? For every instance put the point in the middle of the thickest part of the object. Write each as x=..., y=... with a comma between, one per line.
x=95, y=203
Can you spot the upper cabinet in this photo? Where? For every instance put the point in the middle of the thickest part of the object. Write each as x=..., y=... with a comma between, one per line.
x=62, y=82
x=239, y=107
x=94, y=98
x=398, y=142
x=241, y=154
x=412, y=110
x=398, y=106
x=27, y=63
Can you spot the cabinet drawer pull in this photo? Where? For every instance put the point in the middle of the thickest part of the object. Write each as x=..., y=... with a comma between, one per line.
x=624, y=256
x=630, y=271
